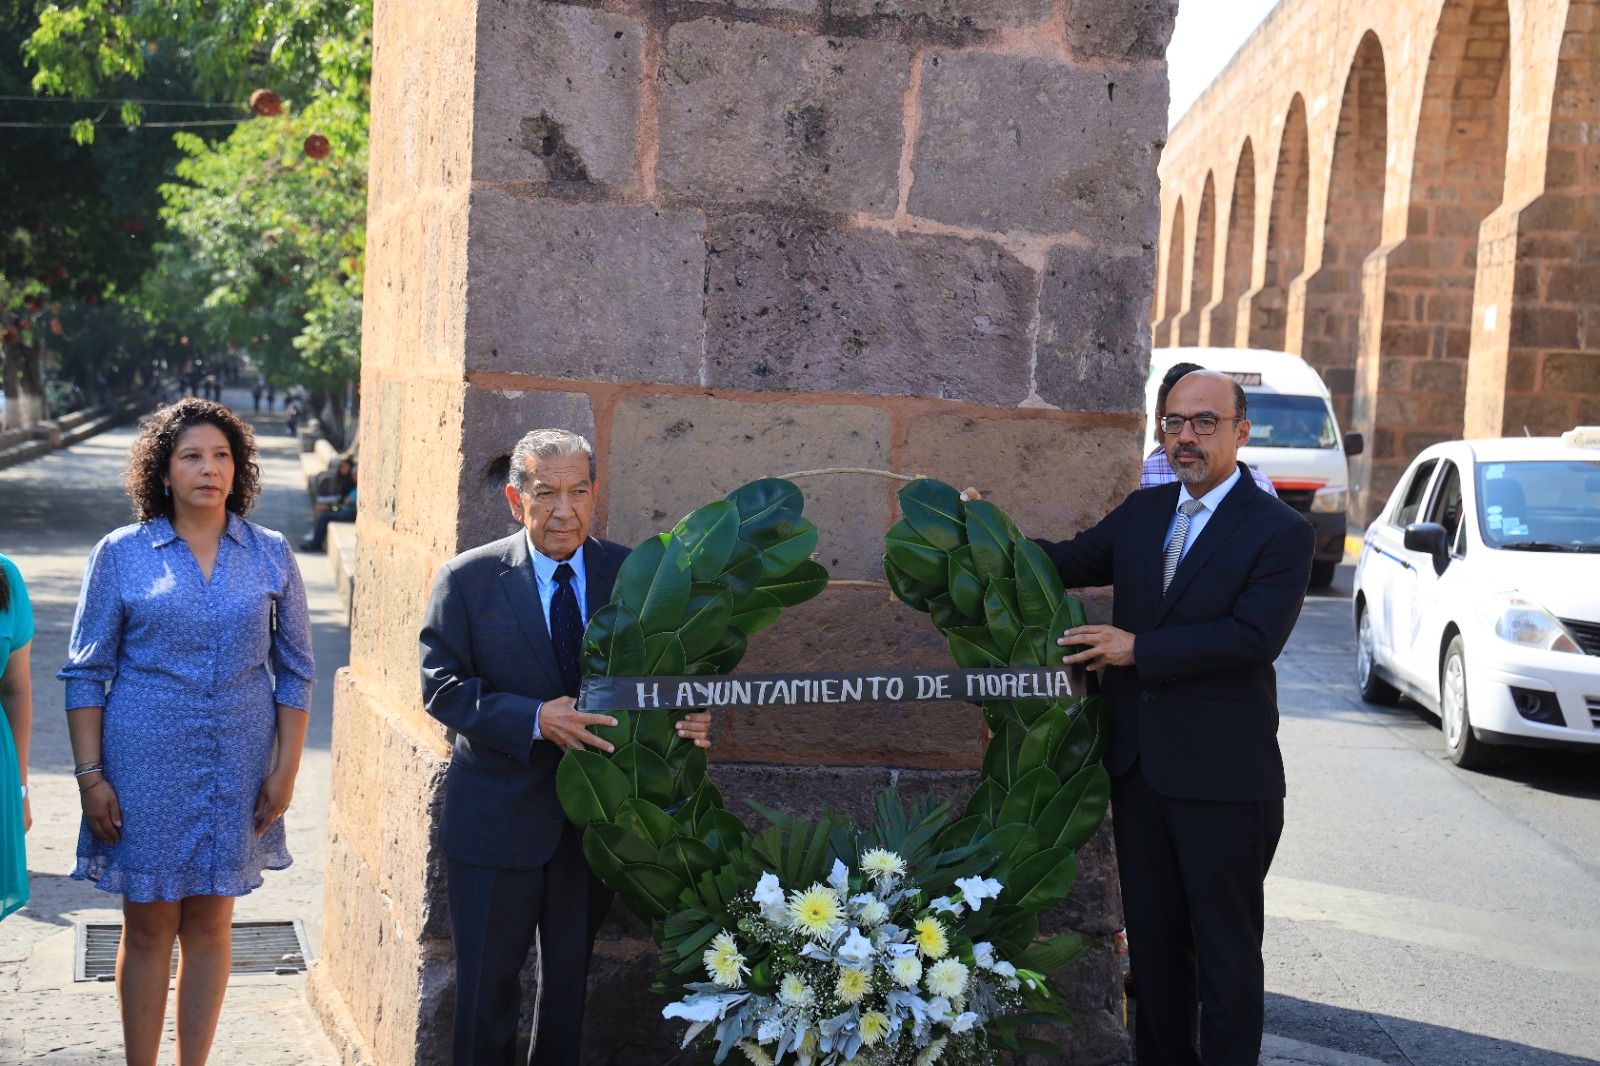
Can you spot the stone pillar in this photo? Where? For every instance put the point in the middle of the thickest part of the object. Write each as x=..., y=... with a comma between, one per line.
x=727, y=242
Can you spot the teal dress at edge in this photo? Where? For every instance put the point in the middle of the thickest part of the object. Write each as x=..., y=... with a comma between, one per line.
x=16, y=630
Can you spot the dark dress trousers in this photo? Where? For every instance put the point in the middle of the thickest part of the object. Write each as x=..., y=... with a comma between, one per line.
x=1197, y=777
x=515, y=868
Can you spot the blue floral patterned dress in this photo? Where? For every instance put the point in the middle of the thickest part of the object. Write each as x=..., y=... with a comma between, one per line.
x=189, y=673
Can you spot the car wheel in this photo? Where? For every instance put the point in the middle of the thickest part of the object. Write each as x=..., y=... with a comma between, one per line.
x=1374, y=689
x=1322, y=573
x=1466, y=750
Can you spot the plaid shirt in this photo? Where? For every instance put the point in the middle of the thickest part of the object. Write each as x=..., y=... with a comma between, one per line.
x=1157, y=471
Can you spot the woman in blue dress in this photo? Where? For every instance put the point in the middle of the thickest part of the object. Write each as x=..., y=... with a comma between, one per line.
x=188, y=679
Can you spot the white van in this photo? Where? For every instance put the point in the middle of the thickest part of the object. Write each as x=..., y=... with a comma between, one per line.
x=1294, y=436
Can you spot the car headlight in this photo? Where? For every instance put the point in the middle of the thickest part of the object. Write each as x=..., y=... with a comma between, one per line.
x=1329, y=501
x=1521, y=621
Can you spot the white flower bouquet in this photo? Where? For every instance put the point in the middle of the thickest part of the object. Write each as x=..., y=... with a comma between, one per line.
x=863, y=967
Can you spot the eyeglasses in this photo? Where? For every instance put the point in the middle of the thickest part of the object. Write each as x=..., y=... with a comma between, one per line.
x=1204, y=425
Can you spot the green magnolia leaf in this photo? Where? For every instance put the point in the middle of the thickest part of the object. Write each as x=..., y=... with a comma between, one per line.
x=654, y=729
x=1068, y=615
x=1011, y=844
x=664, y=655
x=797, y=585
x=768, y=511
x=1044, y=737
x=1028, y=797
x=704, y=799
x=687, y=761
x=1073, y=814
x=654, y=583
x=757, y=611
x=613, y=643
x=705, y=617
x=933, y=509
x=1001, y=762
x=609, y=847
x=1076, y=746
x=986, y=799
x=990, y=534
x=651, y=891
x=709, y=535
x=742, y=573
x=1036, y=647
x=1012, y=933
x=621, y=733
x=1000, y=614
x=946, y=617
x=648, y=822
x=1039, y=590
x=1057, y=953
x=966, y=588
x=689, y=859
x=727, y=652
x=780, y=558
x=589, y=787
x=1042, y=880
x=973, y=647
x=721, y=831
x=915, y=556
x=909, y=591
x=647, y=774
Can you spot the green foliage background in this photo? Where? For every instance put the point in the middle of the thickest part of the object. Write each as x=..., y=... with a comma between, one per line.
x=228, y=234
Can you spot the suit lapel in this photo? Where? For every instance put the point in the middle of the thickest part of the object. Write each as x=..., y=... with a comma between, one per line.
x=517, y=583
x=1150, y=540
x=599, y=576
x=1229, y=516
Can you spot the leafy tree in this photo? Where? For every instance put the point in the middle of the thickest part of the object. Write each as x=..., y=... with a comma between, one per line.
x=262, y=244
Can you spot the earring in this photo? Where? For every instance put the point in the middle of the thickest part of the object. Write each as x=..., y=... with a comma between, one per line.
x=166, y=490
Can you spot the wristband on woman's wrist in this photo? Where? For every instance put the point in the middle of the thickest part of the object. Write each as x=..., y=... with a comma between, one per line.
x=81, y=791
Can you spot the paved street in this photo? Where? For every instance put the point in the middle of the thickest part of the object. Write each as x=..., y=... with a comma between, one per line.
x=1418, y=913
x=52, y=511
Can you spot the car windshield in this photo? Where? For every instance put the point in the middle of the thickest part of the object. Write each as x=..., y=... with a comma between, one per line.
x=1280, y=421
x=1540, y=506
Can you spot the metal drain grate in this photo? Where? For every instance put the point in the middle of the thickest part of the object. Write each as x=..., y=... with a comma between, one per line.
x=258, y=947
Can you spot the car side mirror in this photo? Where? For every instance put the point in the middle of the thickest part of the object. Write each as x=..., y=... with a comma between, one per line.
x=1354, y=444
x=1431, y=538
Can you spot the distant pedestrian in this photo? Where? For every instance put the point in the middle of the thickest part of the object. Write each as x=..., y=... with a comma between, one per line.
x=188, y=677
x=291, y=415
x=16, y=727
x=255, y=393
x=272, y=396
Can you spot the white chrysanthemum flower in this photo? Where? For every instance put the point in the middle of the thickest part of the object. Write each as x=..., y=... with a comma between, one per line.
x=793, y=992
x=874, y=1027
x=754, y=1053
x=852, y=985
x=770, y=898
x=947, y=977
x=724, y=963
x=977, y=889
x=856, y=948
x=931, y=938
x=931, y=1054
x=816, y=912
x=906, y=971
x=983, y=955
x=883, y=865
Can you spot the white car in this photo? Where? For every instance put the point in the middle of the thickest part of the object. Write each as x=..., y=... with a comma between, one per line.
x=1477, y=593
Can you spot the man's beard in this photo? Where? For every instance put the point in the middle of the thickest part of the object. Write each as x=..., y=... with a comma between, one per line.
x=1189, y=475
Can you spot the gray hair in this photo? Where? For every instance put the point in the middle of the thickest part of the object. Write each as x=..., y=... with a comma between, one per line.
x=546, y=444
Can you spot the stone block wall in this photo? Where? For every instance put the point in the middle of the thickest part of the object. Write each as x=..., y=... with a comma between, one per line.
x=727, y=242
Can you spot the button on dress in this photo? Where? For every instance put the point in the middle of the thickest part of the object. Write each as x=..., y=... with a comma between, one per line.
x=190, y=673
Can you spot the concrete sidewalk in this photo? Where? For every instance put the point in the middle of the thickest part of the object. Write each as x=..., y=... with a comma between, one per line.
x=52, y=511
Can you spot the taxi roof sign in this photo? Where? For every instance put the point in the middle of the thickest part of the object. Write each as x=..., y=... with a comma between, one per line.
x=1582, y=437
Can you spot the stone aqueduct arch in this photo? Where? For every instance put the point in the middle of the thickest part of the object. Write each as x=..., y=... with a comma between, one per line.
x=1406, y=193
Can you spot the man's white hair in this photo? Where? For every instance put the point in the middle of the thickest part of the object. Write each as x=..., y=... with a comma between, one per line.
x=546, y=444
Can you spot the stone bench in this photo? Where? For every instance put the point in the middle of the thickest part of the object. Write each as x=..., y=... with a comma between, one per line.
x=341, y=546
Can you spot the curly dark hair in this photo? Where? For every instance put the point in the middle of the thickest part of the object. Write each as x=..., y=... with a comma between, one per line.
x=151, y=456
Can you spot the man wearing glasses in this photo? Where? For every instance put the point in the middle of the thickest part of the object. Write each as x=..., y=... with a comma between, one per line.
x=1210, y=573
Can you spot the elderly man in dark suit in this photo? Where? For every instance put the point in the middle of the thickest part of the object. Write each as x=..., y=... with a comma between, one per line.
x=1209, y=574
x=500, y=667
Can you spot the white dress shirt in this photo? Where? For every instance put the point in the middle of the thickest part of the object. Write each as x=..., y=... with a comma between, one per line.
x=1197, y=522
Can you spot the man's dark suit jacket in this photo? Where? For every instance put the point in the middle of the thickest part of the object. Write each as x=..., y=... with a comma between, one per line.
x=487, y=663
x=1199, y=707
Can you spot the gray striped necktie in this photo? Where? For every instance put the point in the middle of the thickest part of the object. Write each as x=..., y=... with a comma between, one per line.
x=1180, y=534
